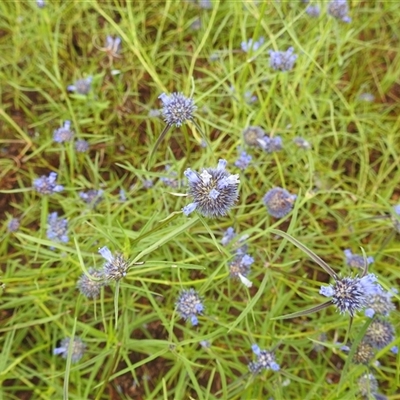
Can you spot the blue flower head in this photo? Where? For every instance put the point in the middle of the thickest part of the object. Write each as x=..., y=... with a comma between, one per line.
x=253, y=135
x=279, y=202
x=177, y=109
x=271, y=144
x=214, y=191
x=228, y=236
x=78, y=349
x=64, y=133
x=189, y=305
x=243, y=161
x=313, y=11
x=349, y=295
x=265, y=360
x=116, y=267
x=252, y=46
x=356, y=260
x=90, y=285
x=379, y=303
x=92, y=197
x=240, y=268
x=380, y=333
x=339, y=10
x=367, y=385
x=282, y=60
x=302, y=143
x=81, y=146
x=47, y=184
x=13, y=225
x=113, y=45
x=81, y=86
x=57, y=228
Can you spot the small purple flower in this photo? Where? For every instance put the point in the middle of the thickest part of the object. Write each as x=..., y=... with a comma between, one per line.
x=380, y=333
x=57, y=228
x=116, y=267
x=63, y=134
x=177, y=109
x=313, y=11
x=265, y=360
x=90, y=285
x=81, y=146
x=13, y=225
x=47, y=185
x=170, y=180
x=81, y=86
x=367, y=97
x=279, y=202
x=113, y=45
x=356, y=260
x=240, y=268
x=302, y=143
x=214, y=191
x=282, y=60
x=367, y=385
x=189, y=305
x=228, y=236
x=339, y=10
x=92, y=197
x=40, y=3
x=148, y=183
x=350, y=294
x=243, y=161
x=253, y=135
x=252, y=46
x=78, y=349
x=379, y=303
x=271, y=144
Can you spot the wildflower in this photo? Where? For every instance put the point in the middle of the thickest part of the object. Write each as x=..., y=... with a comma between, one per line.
x=189, y=305
x=394, y=349
x=282, y=60
x=47, y=185
x=13, y=225
x=214, y=191
x=367, y=384
x=229, y=234
x=339, y=9
x=379, y=303
x=63, y=134
x=313, y=11
x=302, y=143
x=90, y=285
x=350, y=294
x=364, y=353
x=249, y=98
x=113, y=46
x=171, y=179
x=252, y=46
x=243, y=161
x=177, y=109
x=81, y=146
x=271, y=144
x=196, y=24
x=252, y=135
x=265, y=359
x=116, y=266
x=148, y=183
x=367, y=97
x=81, y=86
x=78, y=349
x=122, y=195
x=40, y=3
x=356, y=260
x=57, y=228
x=240, y=268
x=91, y=196
x=380, y=333
x=279, y=202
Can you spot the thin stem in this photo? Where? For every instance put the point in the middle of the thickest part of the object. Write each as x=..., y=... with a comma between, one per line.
x=157, y=144
x=305, y=312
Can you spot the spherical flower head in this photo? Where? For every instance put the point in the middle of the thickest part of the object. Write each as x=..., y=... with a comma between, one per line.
x=313, y=11
x=271, y=144
x=279, y=202
x=228, y=236
x=240, y=267
x=339, y=10
x=81, y=86
x=349, y=294
x=81, y=146
x=364, y=353
x=252, y=46
x=92, y=197
x=177, y=109
x=189, y=305
x=282, y=60
x=57, y=228
x=214, y=191
x=252, y=135
x=13, y=225
x=380, y=333
x=64, y=133
x=116, y=267
x=90, y=285
x=47, y=184
x=367, y=384
x=78, y=349
x=243, y=161
x=379, y=303
x=356, y=260
x=265, y=360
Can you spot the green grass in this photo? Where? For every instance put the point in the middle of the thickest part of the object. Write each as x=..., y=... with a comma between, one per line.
x=137, y=345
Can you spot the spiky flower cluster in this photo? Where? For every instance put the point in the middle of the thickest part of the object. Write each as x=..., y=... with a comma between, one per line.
x=189, y=305
x=265, y=360
x=228, y=236
x=81, y=146
x=116, y=267
x=380, y=333
x=90, y=285
x=253, y=135
x=177, y=108
x=240, y=268
x=364, y=353
x=214, y=191
x=271, y=144
x=339, y=10
x=279, y=202
x=349, y=295
x=379, y=303
x=47, y=184
x=282, y=60
x=81, y=86
x=64, y=133
x=243, y=161
x=367, y=385
x=13, y=225
x=356, y=260
x=78, y=349
x=57, y=228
